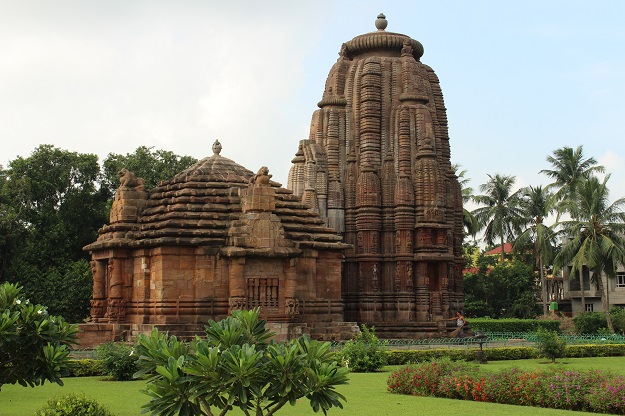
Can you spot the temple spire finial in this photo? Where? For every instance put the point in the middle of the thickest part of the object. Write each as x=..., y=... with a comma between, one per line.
x=216, y=148
x=381, y=22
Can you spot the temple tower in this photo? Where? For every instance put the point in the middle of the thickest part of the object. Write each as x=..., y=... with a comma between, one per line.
x=377, y=168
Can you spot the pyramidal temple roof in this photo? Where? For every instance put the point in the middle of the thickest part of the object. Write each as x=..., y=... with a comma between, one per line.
x=201, y=205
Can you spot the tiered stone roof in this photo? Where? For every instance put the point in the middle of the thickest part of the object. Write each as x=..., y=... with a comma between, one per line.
x=199, y=205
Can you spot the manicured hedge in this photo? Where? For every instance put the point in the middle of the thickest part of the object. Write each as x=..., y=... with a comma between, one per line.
x=86, y=368
x=400, y=357
x=512, y=325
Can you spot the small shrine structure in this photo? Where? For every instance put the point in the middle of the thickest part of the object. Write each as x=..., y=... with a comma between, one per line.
x=214, y=238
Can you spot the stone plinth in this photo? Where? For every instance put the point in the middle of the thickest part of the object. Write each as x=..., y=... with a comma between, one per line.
x=127, y=205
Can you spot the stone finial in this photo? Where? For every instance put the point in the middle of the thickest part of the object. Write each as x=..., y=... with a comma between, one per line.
x=381, y=22
x=216, y=147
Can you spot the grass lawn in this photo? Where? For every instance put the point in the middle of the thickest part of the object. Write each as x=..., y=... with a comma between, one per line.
x=366, y=395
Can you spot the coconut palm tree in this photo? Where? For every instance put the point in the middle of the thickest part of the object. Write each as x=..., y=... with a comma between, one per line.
x=537, y=204
x=569, y=169
x=469, y=221
x=596, y=236
x=501, y=216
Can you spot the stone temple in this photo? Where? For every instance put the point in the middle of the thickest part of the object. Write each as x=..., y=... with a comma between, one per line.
x=215, y=237
x=369, y=231
x=376, y=167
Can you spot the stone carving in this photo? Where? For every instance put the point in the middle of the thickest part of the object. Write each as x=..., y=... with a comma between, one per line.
x=261, y=178
x=115, y=310
x=127, y=179
x=236, y=302
x=97, y=308
x=406, y=49
x=291, y=306
x=374, y=277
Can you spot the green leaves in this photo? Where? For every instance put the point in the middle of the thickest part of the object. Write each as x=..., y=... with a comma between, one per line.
x=33, y=344
x=236, y=366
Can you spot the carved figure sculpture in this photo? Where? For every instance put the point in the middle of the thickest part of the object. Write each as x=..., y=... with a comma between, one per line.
x=127, y=179
x=261, y=178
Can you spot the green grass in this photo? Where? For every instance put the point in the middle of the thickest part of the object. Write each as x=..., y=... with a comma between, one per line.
x=366, y=395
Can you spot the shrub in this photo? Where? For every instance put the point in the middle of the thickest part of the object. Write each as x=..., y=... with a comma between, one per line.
x=73, y=405
x=118, y=360
x=34, y=345
x=235, y=367
x=513, y=325
x=85, y=368
x=607, y=396
x=593, y=350
x=365, y=352
x=589, y=322
x=618, y=319
x=556, y=388
x=550, y=345
x=422, y=379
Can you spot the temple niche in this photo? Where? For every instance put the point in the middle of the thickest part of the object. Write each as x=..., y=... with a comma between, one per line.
x=214, y=238
x=376, y=167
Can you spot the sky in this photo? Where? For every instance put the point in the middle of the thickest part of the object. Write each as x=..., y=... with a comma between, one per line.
x=520, y=78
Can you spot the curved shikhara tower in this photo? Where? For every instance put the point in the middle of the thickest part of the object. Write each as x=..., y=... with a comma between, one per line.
x=377, y=168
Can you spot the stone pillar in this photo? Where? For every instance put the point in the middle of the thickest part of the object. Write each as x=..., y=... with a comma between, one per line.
x=116, y=310
x=237, y=285
x=98, y=303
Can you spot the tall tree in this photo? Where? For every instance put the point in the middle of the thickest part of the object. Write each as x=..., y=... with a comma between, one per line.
x=54, y=207
x=537, y=204
x=596, y=236
x=471, y=225
x=501, y=215
x=569, y=169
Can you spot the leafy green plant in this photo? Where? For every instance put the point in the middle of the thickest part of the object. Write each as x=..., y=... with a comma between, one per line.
x=513, y=325
x=364, y=353
x=34, y=346
x=85, y=368
x=73, y=405
x=589, y=322
x=236, y=366
x=550, y=345
x=117, y=360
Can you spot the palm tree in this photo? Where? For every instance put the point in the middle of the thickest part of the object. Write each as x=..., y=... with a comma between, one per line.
x=501, y=216
x=597, y=236
x=537, y=204
x=470, y=223
x=569, y=169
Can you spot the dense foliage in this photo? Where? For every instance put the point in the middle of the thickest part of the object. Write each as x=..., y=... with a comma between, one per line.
x=51, y=205
x=34, y=345
x=237, y=367
x=557, y=388
x=364, y=353
x=73, y=405
x=117, y=360
x=500, y=290
x=513, y=325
